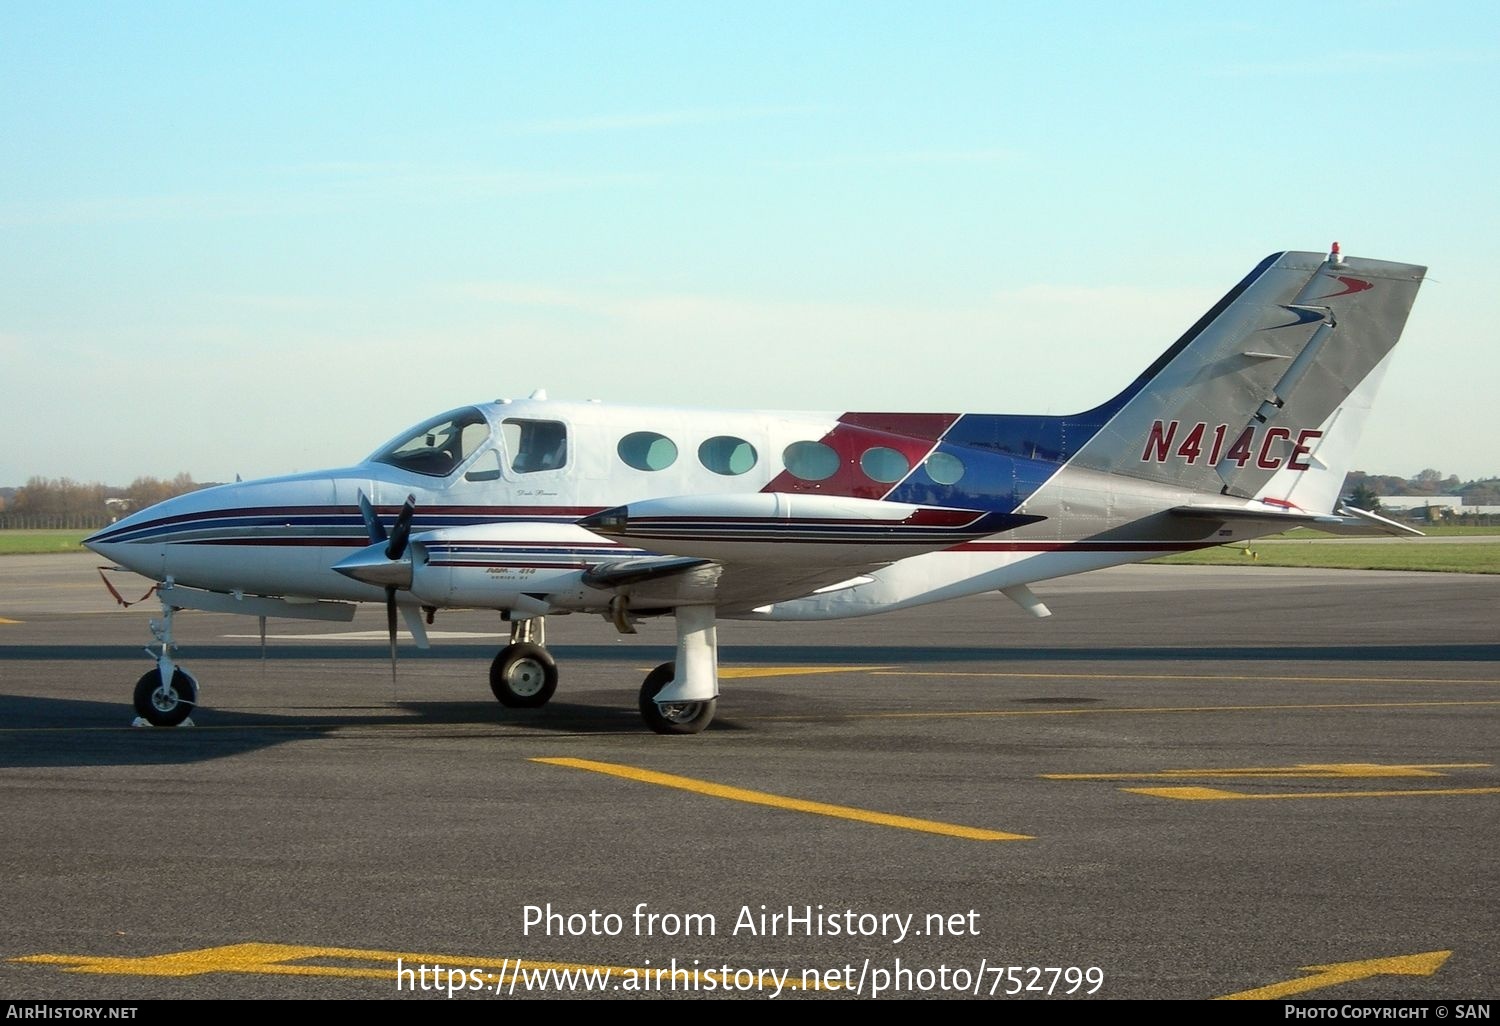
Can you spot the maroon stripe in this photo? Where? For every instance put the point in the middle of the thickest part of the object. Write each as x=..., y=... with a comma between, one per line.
x=537, y=566
x=1080, y=546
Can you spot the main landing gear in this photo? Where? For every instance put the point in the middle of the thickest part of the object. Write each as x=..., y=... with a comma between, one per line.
x=524, y=674
x=672, y=717
x=165, y=696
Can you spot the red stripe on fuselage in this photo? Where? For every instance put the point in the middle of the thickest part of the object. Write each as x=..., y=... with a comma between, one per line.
x=913, y=435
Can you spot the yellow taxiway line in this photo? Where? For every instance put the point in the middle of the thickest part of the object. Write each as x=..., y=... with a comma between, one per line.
x=941, y=714
x=413, y=970
x=746, y=672
x=1213, y=794
x=1304, y=771
x=1257, y=678
x=1425, y=964
x=781, y=802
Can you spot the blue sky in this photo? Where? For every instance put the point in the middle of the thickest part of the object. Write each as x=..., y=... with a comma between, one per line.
x=257, y=238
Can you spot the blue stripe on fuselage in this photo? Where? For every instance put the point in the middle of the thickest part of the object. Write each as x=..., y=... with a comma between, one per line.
x=991, y=481
x=251, y=523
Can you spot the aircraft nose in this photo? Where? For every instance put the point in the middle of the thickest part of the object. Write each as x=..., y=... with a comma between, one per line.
x=137, y=541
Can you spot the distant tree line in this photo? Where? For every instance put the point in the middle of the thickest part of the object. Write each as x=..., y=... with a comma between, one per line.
x=1364, y=490
x=65, y=504
x=1482, y=492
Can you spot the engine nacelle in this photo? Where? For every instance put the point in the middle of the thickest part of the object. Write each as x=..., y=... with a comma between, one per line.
x=527, y=567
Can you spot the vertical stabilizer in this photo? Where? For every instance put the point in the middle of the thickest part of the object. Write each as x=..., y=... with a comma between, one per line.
x=1263, y=387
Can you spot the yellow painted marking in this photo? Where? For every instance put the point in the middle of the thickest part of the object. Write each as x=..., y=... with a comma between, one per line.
x=1179, y=676
x=1302, y=771
x=4, y=620
x=1335, y=973
x=263, y=959
x=745, y=672
x=1209, y=794
x=780, y=802
x=940, y=714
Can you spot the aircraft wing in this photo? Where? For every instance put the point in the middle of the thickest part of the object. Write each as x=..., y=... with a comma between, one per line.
x=740, y=551
x=776, y=527
x=735, y=552
x=666, y=580
x=1348, y=519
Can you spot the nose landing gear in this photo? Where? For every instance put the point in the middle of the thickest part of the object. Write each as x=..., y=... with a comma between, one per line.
x=165, y=696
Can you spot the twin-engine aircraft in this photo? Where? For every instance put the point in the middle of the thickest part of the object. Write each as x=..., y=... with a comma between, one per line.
x=537, y=507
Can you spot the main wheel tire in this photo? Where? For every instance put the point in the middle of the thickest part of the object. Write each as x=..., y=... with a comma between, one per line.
x=523, y=676
x=169, y=706
x=672, y=717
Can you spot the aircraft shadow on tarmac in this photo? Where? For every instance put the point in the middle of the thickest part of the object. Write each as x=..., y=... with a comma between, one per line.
x=57, y=732
x=809, y=655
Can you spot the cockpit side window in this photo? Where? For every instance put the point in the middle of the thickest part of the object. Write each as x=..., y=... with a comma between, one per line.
x=535, y=445
x=485, y=468
x=440, y=446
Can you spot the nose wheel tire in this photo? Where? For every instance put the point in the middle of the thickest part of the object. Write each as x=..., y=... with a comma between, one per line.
x=523, y=676
x=165, y=706
x=672, y=717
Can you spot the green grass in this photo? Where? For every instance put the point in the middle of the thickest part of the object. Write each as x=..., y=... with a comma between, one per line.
x=21, y=543
x=1431, y=530
x=1472, y=558
x=1439, y=530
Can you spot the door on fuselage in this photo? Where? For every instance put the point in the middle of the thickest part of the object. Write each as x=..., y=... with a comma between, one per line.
x=538, y=457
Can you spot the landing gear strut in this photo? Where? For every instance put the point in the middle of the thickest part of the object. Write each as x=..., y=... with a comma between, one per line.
x=524, y=674
x=165, y=696
x=678, y=697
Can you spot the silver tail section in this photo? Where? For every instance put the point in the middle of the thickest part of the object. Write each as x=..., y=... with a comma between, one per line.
x=1259, y=388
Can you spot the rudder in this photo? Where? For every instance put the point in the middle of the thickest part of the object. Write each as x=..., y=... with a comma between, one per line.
x=1260, y=389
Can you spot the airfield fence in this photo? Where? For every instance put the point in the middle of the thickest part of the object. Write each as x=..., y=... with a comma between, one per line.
x=1473, y=520
x=55, y=521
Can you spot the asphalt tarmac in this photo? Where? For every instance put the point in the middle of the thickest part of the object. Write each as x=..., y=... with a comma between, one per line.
x=1189, y=782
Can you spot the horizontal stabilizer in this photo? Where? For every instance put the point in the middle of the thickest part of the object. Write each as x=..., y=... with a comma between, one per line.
x=1374, y=523
x=1347, y=521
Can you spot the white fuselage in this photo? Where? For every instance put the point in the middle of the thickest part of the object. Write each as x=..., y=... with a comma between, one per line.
x=503, y=531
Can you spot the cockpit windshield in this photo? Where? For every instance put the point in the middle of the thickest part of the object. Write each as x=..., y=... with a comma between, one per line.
x=440, y=446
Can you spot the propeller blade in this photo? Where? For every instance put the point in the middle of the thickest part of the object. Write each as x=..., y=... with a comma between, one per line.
x=390, y=626
x=372, y=522
x=401, y=531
